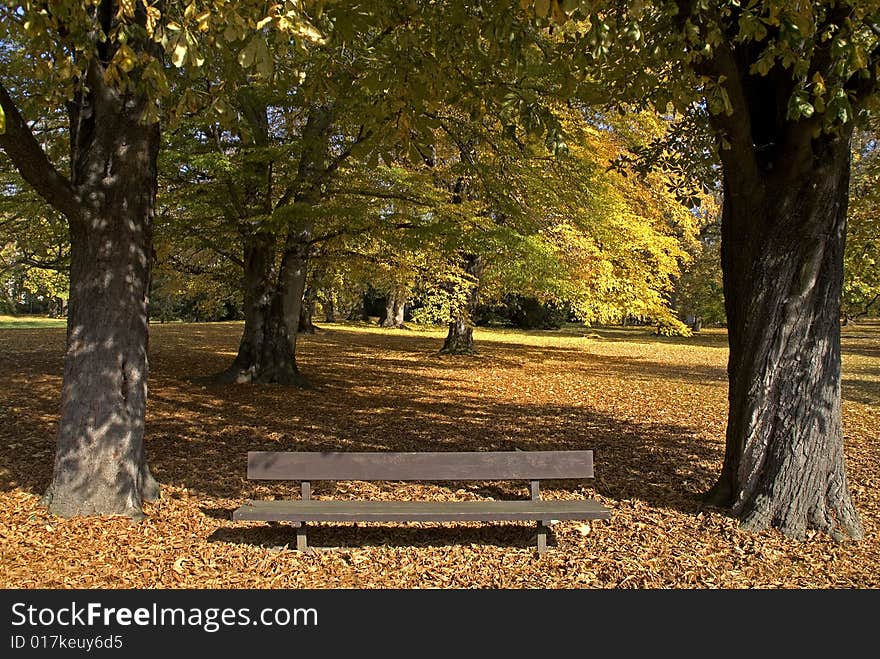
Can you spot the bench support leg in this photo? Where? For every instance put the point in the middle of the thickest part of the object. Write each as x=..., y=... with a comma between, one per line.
x=302, y=544
x=542, y=538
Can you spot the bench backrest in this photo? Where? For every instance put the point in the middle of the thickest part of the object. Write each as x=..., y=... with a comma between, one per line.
x=444, y=466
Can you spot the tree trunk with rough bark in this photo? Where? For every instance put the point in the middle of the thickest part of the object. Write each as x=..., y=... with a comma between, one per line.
x=329, y=306
x=783, y=234
x=460, y=337
x=100, y=464
x=267, y=350
x=100, y=467
x=307, y=312
x=395, y=305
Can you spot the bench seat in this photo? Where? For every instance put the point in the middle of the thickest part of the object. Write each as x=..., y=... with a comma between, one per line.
x=419, y=511
x=531, y=466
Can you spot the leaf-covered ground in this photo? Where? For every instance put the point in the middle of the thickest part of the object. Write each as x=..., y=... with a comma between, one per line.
x=653, y=410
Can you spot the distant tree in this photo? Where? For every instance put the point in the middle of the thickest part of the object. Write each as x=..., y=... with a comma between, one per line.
x=460, y=332
x=861, y=261
x=699, y=292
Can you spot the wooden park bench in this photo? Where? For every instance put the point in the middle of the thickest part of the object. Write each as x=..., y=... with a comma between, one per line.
x=533, y=466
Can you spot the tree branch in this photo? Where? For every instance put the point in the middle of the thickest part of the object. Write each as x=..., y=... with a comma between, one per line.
x=214, y=132
x=32, y=163
x=378, y=195
x=58, y=265
x=291, y=190
x=214, y=247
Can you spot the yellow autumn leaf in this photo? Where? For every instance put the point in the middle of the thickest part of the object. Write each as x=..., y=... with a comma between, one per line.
x=178, y=57
x=153, y=16
x=125, y=58
x=819, y=83
x=308, y=32
x=126, y=8
x=178, y=52
x=111, y=75
x=204, y=21
x=859, y=58
x=2, y=121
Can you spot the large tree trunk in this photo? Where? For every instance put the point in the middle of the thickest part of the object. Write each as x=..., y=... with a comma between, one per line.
x=267, y=350
x=782, y=259
x=460, y=337
x=395, y=306
x=100, y=466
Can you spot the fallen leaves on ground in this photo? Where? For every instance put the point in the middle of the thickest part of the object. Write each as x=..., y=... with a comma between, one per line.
x=653, y=410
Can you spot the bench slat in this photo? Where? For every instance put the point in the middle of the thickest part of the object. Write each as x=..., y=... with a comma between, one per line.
x=445, y=466
x=419, y=511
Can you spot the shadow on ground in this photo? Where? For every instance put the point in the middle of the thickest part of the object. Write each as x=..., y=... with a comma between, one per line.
x=353, y=536
x=373, y=392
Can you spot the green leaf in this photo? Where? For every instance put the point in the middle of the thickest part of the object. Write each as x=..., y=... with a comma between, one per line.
x=2, y=121
x=246, y=55
x=125, y=58
x=800, y=106
x=231, y=33
x=264, y=63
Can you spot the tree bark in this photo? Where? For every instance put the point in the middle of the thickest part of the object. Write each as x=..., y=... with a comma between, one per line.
x=782, y=262
x=329, y=305
x=267, y=350
x=460, y=337
x=307, y=312
x=100, y=465
x=395, y=305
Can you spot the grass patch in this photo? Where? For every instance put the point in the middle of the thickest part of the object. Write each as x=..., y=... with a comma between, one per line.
x=30, y=322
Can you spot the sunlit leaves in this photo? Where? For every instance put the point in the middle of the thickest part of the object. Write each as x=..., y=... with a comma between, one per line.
x=34, y=250
x=152, y=18
x=607, y=245
x=177, y=46
x=126, y=9
x=827, y=51
x=799, y=106
x=67, y=38
x=861, y=284
x=255, y=55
